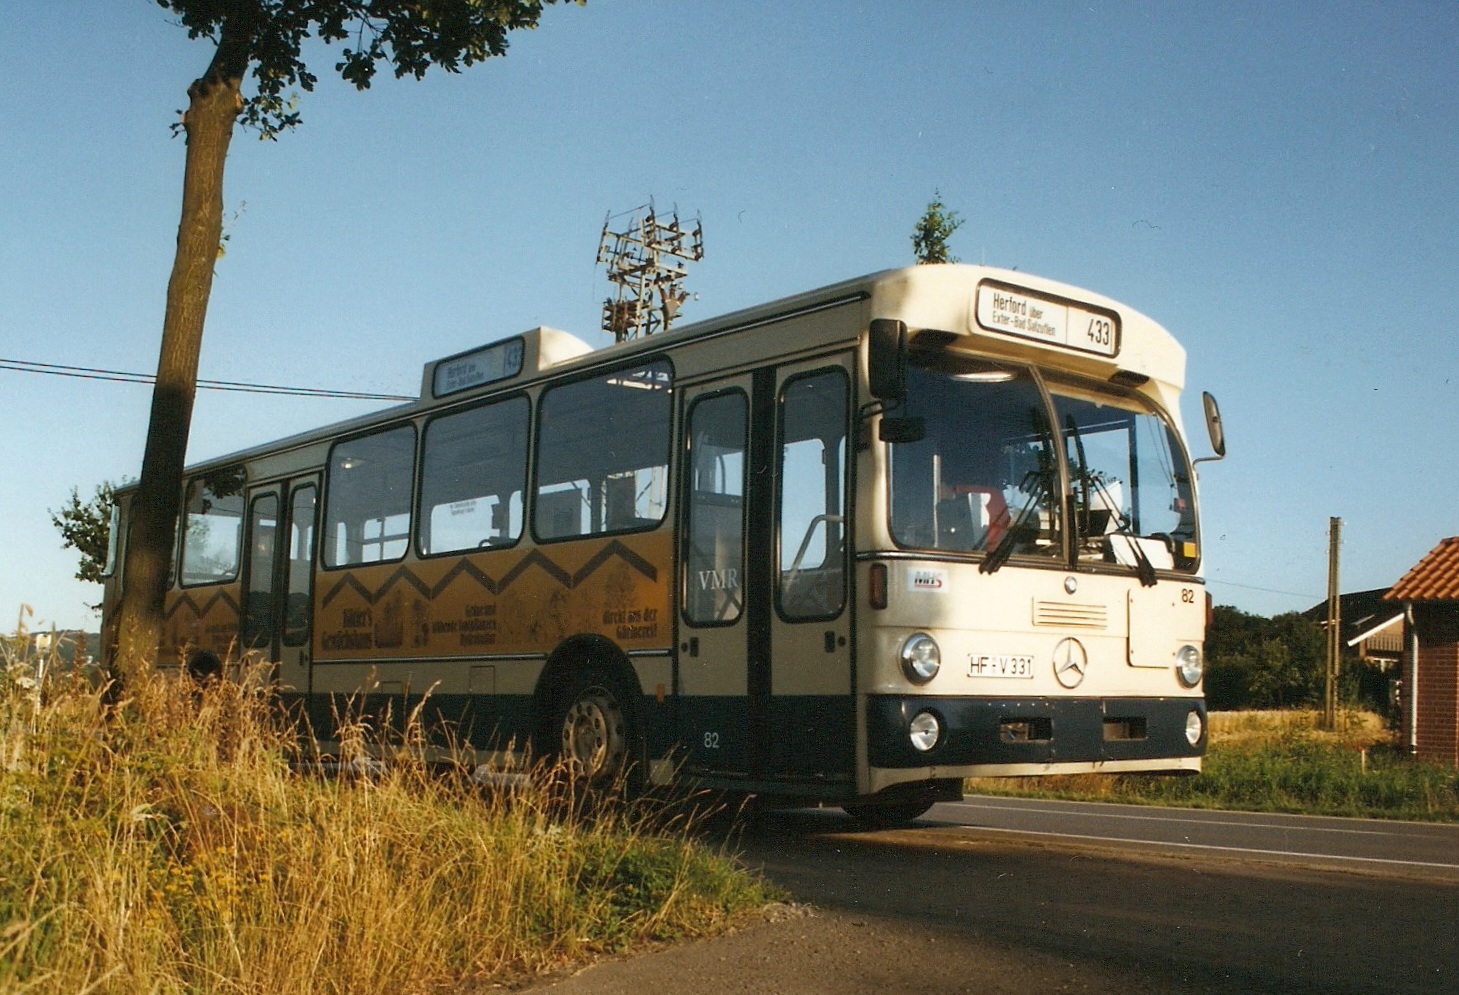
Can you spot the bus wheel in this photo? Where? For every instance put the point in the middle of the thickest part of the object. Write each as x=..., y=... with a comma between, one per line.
x=593, y=730
x=887, y=815
x=205, y=668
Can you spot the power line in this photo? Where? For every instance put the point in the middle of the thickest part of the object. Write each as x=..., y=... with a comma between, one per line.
x=86, y=373
x=1252, y=587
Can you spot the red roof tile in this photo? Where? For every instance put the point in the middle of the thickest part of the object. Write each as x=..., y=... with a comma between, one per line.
x=1433, y=578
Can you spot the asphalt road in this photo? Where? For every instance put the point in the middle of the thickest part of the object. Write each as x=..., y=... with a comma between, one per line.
x=994, y=896
x=1426, y=850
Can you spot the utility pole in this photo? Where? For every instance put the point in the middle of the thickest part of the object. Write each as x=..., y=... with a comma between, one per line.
x=1334, y=624
x=646, y=261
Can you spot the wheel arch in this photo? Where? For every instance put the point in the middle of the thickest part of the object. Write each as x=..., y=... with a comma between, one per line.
x=574, y=657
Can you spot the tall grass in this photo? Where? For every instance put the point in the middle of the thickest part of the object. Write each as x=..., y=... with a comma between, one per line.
x=1277, y=762
x=164, y=844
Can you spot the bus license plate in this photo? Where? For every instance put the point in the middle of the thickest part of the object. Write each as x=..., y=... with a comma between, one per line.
x=1000, y=666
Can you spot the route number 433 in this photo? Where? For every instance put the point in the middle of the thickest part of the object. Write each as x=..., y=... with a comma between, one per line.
x=1101, y=332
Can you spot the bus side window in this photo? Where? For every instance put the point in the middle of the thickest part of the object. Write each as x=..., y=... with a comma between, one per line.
x=812, y=499
x=257, y=624
x=473, y=470
x=367, y=508
x=714, y=554
x=603, y=454
x=299, y=575
x=212, y=529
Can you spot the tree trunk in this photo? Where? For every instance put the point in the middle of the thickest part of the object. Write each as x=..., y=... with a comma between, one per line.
x=214, y=102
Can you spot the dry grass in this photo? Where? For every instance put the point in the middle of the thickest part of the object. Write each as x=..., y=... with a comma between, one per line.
x=164, y=844
x=1358, y=729
x=1278, y=761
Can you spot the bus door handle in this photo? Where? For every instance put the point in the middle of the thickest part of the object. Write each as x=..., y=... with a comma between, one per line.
x=693, y=646
x=830, y=641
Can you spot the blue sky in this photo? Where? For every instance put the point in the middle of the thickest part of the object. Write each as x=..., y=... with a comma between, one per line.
x=1278, y=184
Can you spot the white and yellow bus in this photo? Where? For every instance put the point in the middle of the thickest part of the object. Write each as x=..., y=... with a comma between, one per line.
x=848, y=547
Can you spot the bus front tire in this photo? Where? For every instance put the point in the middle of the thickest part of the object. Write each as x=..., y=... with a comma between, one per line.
x=887, y=815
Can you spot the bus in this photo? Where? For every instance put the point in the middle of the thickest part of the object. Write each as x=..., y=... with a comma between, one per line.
x=846, y=548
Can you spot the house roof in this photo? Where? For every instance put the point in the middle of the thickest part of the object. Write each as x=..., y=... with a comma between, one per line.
x=1361, y=611
x=1375, y=625
x=1433, y=578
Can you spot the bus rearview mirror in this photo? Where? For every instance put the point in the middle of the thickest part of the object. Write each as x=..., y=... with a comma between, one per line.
x=1213, y=424
x=906, y=429
x=886, y=359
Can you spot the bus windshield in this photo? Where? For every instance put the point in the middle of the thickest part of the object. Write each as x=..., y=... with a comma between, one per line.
x=986, y=475
x=1130, y=484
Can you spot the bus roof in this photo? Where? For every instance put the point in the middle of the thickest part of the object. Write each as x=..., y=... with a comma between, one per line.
x=994, y=310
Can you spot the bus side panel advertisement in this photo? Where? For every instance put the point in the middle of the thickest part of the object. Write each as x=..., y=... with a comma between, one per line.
x=505, y=602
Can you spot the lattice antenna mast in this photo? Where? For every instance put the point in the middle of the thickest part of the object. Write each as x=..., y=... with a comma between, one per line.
x=646, y=260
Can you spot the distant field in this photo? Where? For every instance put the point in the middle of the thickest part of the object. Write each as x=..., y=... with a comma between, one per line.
x=1353, y=728
x=1277, y=761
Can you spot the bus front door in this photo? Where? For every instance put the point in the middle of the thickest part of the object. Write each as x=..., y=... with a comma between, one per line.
x=764, y=667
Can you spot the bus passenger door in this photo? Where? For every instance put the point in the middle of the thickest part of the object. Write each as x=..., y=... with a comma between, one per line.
x=811, y=719
x=714, y=705
x=278, y=578
x=764, y=664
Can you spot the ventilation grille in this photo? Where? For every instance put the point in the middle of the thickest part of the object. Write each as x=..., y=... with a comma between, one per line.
x=1070, y=616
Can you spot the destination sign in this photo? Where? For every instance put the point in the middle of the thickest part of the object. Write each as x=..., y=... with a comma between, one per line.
x=499, y=361
x=1018, y=311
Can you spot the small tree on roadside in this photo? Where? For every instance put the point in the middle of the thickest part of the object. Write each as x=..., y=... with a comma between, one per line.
x=86, y=528
x=264, y=38
x=934, y=228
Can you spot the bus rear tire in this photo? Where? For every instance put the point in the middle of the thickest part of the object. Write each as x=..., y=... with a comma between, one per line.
x=204, y=668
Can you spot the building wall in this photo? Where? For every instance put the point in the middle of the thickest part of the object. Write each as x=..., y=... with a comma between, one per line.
x=1438, y=683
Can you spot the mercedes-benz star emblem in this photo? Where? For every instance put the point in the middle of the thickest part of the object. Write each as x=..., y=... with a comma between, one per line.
x=1070, y=663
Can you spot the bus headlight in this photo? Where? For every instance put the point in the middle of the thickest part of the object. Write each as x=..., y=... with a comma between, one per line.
x=1189, y=665
x=921, y=659
x=925, y=730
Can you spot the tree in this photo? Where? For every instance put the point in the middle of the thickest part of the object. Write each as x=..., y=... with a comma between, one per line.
x=934, y=228
x=86, y=528
x=264, y=37
x=1260, y=662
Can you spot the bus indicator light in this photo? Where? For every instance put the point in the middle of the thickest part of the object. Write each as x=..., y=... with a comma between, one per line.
x=877, y=586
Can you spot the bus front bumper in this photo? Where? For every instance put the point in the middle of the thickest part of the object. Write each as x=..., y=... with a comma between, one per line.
x=1038, y=735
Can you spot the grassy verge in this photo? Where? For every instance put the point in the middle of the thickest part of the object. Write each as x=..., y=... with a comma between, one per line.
x=163, y=845
x=1276, y=762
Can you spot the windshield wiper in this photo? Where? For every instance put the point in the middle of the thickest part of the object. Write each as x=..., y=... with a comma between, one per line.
x=1144, y=569
x=1037, y=483
x=1006, y=544
x=1090, y=481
